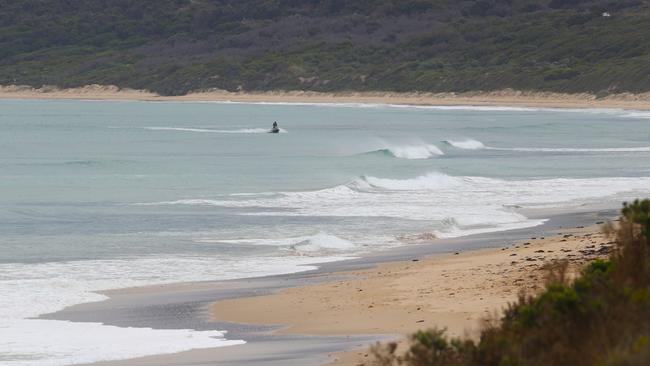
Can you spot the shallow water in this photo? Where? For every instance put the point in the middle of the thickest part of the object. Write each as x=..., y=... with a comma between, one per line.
x=99, y=195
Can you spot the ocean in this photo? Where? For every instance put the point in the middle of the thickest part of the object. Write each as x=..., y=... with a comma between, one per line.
x=98, y=195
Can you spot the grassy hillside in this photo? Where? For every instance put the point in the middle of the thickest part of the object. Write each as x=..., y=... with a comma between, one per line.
x=174, y=46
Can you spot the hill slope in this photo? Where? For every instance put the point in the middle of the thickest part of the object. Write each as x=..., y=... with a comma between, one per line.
x=175, y=46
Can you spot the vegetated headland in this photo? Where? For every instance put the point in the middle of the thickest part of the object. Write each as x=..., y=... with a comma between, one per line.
x=173, y=47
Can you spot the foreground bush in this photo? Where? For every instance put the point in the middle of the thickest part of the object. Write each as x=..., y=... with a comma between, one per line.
x=600, y=318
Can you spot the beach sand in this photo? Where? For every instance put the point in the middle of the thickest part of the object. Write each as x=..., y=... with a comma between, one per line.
x=506, y=97
x=453, y=291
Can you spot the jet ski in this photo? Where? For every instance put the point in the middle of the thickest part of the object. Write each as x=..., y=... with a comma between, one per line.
x=274, y=130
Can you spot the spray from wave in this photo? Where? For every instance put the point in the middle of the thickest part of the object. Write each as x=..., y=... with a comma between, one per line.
x=207, y=130
x=466, y=144
x=411, y=152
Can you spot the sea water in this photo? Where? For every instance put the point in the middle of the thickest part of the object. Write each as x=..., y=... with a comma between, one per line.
x=97, y=195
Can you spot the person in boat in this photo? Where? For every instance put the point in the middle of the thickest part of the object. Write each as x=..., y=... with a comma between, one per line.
x=275, y=125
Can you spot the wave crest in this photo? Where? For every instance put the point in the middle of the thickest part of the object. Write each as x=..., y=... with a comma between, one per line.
x=431, y=181
x=466, y=144
x=411, y=152
x=319, y=243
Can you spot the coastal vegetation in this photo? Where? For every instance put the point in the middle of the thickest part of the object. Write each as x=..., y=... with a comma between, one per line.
x=601, y=317
x=173, y=47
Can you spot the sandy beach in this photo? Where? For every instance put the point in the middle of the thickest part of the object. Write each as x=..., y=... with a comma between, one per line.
x=454, y=291
x=506, y=98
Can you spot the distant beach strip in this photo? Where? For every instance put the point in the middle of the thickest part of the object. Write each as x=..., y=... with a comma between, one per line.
x=502, y=98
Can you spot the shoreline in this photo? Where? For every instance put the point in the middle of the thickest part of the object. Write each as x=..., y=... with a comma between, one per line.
x=187, y=305
x=495, y=270
x=455, y=291
x=502, y=98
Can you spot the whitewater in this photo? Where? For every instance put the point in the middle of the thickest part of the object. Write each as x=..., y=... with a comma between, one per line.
x=208, y=130
x=470, y=144
x=108, y=195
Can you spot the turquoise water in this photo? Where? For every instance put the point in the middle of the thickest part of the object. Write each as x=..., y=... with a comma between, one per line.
x=98, y=195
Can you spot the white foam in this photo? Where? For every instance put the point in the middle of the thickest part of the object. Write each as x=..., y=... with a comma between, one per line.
x=470, y=144
x=467, y=144
x=424, y=151
x=183, y=129
x=33, y=289
x=321, y=243
x=617, y=112
x=431, y=181
x=189, y=129
x=637, y=114
x=65, y=343
x=468, y=107
x=572, y=149
x=477, y=204
x=454, y=231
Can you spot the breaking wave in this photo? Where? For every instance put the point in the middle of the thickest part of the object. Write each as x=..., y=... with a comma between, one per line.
x=411, y=152
x=319, y=243
x=431, y=181
x=467, y=144
x=476, y=204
